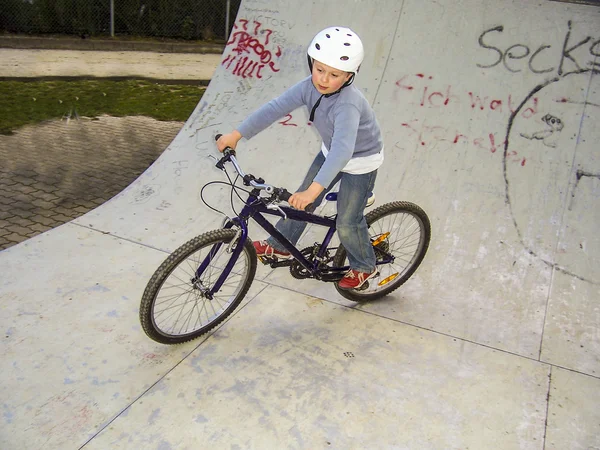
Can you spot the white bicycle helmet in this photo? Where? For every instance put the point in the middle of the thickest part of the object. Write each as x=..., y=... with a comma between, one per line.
x=337, y=47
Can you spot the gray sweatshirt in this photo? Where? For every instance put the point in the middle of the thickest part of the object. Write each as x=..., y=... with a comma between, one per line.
x=345, y=121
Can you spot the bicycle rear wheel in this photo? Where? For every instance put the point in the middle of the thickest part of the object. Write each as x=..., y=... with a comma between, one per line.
x=399, y=229
x=176, y=306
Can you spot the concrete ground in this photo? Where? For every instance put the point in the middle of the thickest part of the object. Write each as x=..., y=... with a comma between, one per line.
x=490, y=113
x=50, y=172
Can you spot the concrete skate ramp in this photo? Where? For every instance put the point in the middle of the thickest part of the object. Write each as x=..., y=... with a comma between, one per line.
x=490, y=113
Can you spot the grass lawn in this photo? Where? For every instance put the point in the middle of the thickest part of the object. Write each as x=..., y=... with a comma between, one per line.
x=28, y=102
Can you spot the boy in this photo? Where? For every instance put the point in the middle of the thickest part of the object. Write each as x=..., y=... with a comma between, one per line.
x=351, y=152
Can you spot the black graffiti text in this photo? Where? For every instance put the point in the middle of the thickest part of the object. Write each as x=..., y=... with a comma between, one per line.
x=576, y=55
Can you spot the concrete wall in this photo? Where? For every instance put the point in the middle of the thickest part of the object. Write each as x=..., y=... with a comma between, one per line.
x=489, y=111
x=487, y=116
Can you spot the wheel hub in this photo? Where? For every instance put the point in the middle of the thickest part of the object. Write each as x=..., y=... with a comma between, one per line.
x=198, y=286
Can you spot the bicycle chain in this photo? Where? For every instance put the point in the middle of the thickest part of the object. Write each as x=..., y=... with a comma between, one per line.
x=297, y=270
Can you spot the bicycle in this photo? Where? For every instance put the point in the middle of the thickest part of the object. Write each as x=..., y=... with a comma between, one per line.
x=204, y=280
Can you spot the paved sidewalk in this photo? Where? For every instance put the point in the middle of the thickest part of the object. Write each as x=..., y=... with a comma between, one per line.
x=56, y=171
x=52, y=64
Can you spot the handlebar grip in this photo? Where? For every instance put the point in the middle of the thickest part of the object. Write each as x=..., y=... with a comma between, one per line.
x=285, y=196
x=226, y=151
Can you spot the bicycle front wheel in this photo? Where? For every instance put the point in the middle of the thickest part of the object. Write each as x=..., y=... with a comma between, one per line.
x=177, y=307
x=400, y=230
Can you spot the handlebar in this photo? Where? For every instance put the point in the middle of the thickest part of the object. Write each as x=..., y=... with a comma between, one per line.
x=229, y=155
x=250, y=180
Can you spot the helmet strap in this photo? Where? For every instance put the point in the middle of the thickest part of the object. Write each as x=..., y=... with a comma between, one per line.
x=314, y=108
x=349, y=82
x=310, y=62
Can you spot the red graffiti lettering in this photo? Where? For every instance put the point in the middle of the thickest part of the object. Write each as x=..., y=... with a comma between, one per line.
x=477, y=102
x=427, y=95
x=250, y=51
x=493, y=143
x=286, y=123
x=529, y=112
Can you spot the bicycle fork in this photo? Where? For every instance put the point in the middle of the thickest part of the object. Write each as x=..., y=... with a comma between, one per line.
x=234, y=247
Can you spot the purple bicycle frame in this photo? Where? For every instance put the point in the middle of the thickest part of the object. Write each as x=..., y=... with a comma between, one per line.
x=255, y=210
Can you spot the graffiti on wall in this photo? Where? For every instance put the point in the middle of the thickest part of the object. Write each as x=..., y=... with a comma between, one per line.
x=562, y=180
x=425, y=91
x=575, y=55
x=271, y=20
x=548, y=134
x=547, y=145
x=250, y=51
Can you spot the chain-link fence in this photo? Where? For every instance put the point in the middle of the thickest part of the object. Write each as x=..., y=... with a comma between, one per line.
x=178, y=19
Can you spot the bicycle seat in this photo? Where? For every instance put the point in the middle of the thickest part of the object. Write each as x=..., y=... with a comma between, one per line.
x=332, y=197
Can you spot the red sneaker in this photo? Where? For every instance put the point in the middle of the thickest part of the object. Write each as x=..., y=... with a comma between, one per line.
x=264, y=249
x=355, y=279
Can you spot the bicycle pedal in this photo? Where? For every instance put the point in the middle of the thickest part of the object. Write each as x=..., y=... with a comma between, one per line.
x=284, y=263
x=265, y=260
x=274, y=262
x=365, y=285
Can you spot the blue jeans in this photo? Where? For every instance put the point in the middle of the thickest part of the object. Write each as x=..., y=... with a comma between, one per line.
x=350, y=223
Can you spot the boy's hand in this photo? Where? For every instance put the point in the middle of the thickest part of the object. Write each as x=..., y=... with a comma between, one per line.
x=229, y=140
x=301, y=200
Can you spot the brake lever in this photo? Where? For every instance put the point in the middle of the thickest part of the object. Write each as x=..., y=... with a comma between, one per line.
x=278, y=209
x=221, y=163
